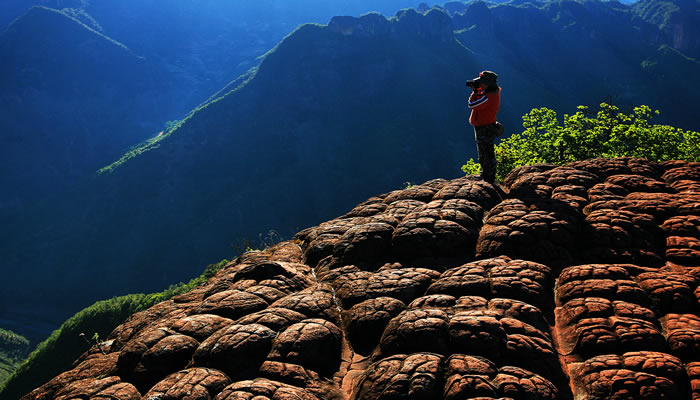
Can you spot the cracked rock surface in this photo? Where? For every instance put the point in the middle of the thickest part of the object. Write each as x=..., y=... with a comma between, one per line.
x=573, y=282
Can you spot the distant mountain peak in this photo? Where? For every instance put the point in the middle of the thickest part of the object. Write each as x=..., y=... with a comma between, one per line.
x=433, y=24
x=372, y=24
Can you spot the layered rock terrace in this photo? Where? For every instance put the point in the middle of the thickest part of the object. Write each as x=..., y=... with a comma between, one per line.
x=575, y=282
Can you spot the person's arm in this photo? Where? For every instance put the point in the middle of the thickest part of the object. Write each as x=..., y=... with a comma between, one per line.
x=477, y=100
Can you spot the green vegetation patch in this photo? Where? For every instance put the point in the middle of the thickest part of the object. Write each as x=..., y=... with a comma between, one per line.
x=607, y=133
x=57, y=353
x=135, y=151
x=13, y=349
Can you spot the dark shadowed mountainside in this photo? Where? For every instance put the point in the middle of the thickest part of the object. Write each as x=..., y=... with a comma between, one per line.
x=678, y=21
x=200, y=46
x=569, y=53
x=333, y=113
x=71, y=98
x=83, y=81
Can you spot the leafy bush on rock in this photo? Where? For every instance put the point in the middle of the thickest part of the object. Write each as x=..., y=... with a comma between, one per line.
x=608, y=133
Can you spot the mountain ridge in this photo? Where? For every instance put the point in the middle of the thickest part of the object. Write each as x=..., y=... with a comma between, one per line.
x=54, y=124
x=54, y=96
x=188, y=137
x=38, y=8
x=366, y=26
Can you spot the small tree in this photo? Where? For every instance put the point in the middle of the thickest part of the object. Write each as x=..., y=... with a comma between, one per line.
x=609, y=133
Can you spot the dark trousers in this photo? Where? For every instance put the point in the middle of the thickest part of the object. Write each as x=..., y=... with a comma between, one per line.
x=484, y=136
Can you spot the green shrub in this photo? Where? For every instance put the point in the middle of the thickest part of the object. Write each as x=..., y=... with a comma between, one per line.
x=607, y=133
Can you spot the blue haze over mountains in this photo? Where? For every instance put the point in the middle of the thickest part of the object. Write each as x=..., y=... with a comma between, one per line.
x=100, y=76
x=83, y=81
x=333, y=115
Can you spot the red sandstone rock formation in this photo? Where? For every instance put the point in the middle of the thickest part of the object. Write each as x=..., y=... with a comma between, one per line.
x=577, y=282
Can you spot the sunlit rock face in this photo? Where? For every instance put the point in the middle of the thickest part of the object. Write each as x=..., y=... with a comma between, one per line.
x=574, y=282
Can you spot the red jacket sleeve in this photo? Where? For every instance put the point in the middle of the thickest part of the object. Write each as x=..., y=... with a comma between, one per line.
x=478, y=100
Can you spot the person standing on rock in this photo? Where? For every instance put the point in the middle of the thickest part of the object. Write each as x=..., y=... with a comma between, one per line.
x=484, y=102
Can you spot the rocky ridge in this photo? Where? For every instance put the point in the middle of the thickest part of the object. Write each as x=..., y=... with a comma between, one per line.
x=574, y=282
x=432, y=24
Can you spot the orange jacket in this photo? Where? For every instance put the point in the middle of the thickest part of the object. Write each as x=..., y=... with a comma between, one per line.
x=484, y=107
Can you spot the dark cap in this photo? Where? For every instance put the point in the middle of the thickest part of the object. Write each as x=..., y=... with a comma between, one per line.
x=488, y=76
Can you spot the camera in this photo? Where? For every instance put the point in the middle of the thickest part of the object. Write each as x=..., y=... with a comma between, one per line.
x=474, y=83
